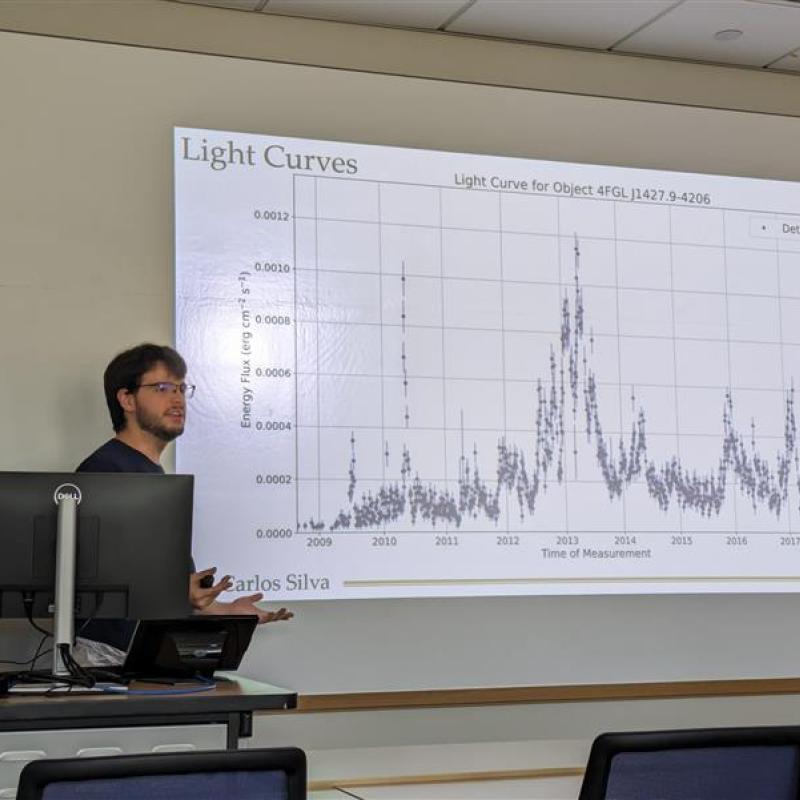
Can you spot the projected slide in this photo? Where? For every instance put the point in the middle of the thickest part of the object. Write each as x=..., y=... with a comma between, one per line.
x=435, y=374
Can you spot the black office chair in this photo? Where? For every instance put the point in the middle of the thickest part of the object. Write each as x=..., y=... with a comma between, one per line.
x=271, y=774
x=710, y=764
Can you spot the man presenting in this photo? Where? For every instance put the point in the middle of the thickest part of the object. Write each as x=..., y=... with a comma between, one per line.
x=146, y=395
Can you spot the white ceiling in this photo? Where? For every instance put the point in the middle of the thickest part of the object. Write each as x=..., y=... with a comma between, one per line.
x=769, y=30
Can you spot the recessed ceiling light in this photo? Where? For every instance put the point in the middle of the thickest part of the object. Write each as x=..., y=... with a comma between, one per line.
x=728, y=35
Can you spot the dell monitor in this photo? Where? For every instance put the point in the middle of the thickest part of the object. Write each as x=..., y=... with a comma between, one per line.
x=123, y=542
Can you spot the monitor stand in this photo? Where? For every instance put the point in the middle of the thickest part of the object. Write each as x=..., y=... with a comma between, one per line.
x=64, y=604
x=66, y=546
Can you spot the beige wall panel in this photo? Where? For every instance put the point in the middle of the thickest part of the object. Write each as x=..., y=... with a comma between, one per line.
x=86, y=269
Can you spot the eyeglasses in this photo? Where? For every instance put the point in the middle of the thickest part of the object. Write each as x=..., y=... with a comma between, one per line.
x=169, y=387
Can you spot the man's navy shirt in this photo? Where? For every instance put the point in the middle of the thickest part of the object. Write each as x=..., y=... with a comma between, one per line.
x=116, y=456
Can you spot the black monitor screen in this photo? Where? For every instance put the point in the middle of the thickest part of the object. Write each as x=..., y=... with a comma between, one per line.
x=133, y=543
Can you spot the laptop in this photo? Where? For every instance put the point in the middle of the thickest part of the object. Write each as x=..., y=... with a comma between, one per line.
x=186, y=648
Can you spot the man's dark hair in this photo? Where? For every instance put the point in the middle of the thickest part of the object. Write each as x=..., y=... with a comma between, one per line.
x=126, y=370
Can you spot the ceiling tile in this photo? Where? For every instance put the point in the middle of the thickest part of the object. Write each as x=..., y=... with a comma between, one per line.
x=790, y=62
x=240, y=5
x=579, y=23
x=401, y=13
x=769, y=31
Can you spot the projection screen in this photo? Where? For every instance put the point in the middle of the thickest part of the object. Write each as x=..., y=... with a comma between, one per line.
x=423, y=373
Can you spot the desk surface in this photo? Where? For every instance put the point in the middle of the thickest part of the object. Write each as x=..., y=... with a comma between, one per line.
x=232, y=695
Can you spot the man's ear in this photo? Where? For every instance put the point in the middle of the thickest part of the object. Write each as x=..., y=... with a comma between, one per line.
x=127, y=400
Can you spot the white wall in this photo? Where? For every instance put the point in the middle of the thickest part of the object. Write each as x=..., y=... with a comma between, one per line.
x=86, y=270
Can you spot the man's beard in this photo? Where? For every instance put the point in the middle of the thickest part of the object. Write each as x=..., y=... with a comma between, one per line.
x=153, y=424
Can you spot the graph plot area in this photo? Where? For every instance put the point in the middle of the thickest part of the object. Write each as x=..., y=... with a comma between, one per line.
x=563, y=396
x=434, y=374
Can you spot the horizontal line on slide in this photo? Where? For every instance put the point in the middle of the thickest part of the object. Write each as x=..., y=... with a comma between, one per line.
x=626, y=579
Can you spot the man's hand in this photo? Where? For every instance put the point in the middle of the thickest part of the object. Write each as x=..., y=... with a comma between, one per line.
x=204, y=599
x=247, y=605
x=201, y=598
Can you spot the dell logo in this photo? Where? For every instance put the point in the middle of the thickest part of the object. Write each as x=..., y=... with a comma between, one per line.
x=67, y=491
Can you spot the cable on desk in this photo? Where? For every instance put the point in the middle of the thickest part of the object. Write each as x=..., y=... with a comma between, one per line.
x=206, y=686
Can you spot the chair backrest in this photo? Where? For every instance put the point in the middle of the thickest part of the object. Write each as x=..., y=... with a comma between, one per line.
x=709, y=764
x=267, y=774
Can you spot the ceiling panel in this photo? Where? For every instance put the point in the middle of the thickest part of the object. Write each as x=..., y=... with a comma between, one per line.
x=790, y=62
x=579, y=23
x=769, y=30
x=682, y=29
x=402, y=13
x=240, y=5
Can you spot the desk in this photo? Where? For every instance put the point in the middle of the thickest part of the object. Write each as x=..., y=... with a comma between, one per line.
x=36, y=726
